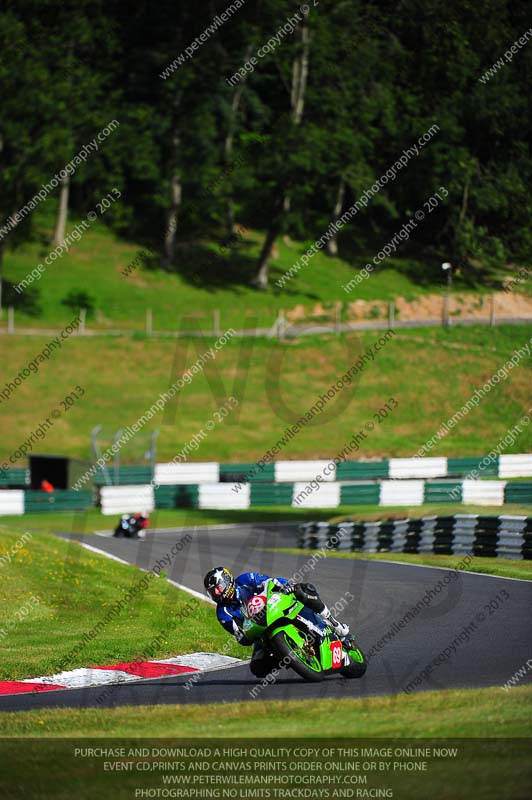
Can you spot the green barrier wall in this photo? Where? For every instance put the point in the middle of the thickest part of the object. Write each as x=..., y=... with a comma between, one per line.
x=355, y=471
x=271, y=494
x=184, y=496
x=247, y=471
x=16, y=476
x=363, y=494
x=127, y=475
x=518, y=493
x=443, y=492
x=60, y=500
x=460, y=467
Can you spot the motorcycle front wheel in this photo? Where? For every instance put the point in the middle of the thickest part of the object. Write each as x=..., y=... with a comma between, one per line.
x=357, y=666
x=291, y=648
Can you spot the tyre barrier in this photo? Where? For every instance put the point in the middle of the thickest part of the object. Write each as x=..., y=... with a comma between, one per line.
x=496, y=537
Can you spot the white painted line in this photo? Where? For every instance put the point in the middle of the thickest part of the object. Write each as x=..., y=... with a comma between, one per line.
x=103, y=553
x=181, y=586
x=448, y=569
x=193, y=592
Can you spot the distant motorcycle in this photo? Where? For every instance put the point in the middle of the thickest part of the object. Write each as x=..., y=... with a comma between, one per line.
x=131, y=526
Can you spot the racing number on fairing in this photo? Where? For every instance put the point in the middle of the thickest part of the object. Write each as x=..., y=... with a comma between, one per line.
x=336, y=650
x=256, y=604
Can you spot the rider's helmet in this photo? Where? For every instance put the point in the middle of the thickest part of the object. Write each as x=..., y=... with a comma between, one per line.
x=220, y=584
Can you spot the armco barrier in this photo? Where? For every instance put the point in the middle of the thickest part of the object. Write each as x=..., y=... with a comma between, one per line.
x=59, y=500
x=518, y=493
x=326, y=496
x=418, y=468
x=222, y=496
x=362, y=470
x=16, y=476
x=272, y=494
x=506, y=466
x=460, y=467
x=172, y=474
x=333, y=494
x=515, y=466
x=247, y=473
x=364, y=493
x=295, y=471
x=125, y=499
x=443, y=492
x=225, y=495
x=501, y=536
x=184, y=496
x=192, y=472
x=483, y=493
x=126, y=474
x=11, y=501
x=402, y=493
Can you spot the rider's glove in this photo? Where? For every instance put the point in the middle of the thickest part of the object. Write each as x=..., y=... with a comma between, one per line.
x=277, y=585
x=288, y=588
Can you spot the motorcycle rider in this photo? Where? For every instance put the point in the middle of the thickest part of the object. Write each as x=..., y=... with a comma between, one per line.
x=230, y=594
x=133, y=525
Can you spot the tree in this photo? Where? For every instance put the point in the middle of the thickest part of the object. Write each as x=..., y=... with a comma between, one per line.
x=300, y=69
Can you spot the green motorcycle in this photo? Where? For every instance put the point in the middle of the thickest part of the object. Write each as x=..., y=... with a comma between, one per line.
x=299, y=636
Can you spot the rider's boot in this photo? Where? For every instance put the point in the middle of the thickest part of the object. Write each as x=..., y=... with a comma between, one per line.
x=307, y=593
x=348, y=642
x=338, y=627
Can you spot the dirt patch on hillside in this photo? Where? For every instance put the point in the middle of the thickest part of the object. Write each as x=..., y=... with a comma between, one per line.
x=426, y=307
x=505, y=304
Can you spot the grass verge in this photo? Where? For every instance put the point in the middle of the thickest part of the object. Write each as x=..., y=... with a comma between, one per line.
x=460, y=713
x=499, y=567
x=92, y=520
x=74, y=594
x=275, y=384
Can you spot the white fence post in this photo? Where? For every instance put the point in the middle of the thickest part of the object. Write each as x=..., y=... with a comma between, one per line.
x=391, y=313
x=280, y=324
x=82, y=317
x=149, y=322
x=11, y=320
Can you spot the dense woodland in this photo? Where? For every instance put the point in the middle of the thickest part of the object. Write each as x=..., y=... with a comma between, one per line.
x=289, y=145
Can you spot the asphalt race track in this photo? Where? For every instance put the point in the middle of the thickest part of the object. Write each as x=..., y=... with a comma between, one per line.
x=496, y=612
